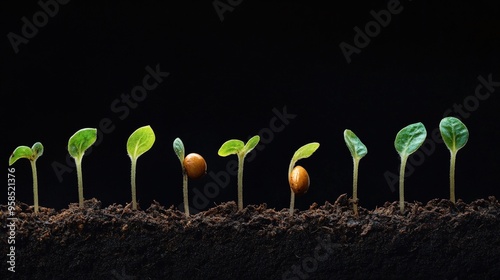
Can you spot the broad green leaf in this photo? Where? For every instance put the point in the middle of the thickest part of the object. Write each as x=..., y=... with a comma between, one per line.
x=455, y=134
x=230, y=147
x=179, y=148
x=20, y=152
x=251, y=143
x=80, y=141
x=140, y=141
x=410, y=138
x=356, y=147
x=305, y=151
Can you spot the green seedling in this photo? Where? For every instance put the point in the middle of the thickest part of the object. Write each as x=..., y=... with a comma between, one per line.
x=358, y=150
x=408, y=140
x=139, y=142
x=193, y=166
x=77, y=145
x=238, y=147
x=32, y=154
x=298, y=178
x=455, y=135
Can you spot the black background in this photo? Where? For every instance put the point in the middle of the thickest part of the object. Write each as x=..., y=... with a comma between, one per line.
x=226, y=77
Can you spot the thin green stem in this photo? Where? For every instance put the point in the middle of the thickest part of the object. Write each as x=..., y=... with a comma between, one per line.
x=78, y=162
x=401, y=184
x=292, y=202
x=132, y=180
x=355, y=185
x=241, y=161
x=452, y=176
x=35, y=185
x=185, y=191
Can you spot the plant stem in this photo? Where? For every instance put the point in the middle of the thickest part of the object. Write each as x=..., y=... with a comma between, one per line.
x=241, y=160
x=452, y=176
x=35, y=185
x=292, y=202
x=78, y=162
x=355, y=185
x=401, y=184
x=185, y=191
x=132, y=180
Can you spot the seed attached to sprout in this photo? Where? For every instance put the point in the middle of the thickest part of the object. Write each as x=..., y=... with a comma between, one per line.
x=195, y=166
x=299, y=180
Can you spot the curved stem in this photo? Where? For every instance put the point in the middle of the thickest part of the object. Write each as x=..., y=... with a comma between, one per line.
x=401, y=184
x=78, y=162
x=35, y=185
x=452, y=176
x=241, y=160
x=185, y=191
x=132, y=180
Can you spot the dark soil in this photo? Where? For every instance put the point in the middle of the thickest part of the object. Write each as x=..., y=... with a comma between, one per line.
x=437, y=240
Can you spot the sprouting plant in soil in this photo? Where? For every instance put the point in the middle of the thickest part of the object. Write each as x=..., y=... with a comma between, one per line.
x=407, y=141
x=139, y=142
x=32, y=154
x=77, y=145
x=241, y=149
x=298, y=178
x=358, y=150
x=193, y=166
x=455, y=135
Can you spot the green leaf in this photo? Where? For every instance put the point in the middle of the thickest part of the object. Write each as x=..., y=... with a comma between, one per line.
x=37, y=149
x=305, y=151
x=356, y=147
x=455, y=134
x=410, y=138
x=140, y=141
x=251, y=143
x=20, y=152
x=231, y=147
x=80, y=141
x=179, y=148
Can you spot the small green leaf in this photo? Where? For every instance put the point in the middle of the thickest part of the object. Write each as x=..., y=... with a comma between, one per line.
x=356, y=147
x=179, y=148
x=231, y=147
x=80, y=141
x=140, y=141
x=455, y=134
x=20, y=152
x=305, y=151
x=410, y=138
x=251, y=143
x=37, y=149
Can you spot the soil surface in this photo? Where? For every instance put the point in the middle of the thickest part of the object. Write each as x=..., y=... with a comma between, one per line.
x=436, y=240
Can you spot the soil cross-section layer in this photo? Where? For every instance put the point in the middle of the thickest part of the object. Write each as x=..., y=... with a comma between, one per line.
x=436, y=240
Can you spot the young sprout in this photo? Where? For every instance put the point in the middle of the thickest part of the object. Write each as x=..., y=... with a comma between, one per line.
x=193, y=166
x=455, y=135
x=241, y=149
x=358, y=150
x=32, y=154
x=407, y=141
x=298, y=178
x=139, y=142
x=77, y=145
